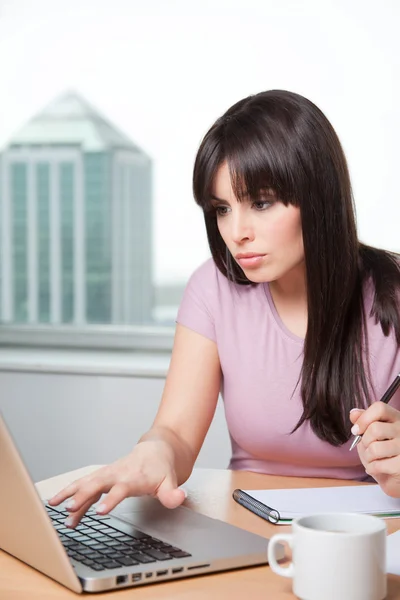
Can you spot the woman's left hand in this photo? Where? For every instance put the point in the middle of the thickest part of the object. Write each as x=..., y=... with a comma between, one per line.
x=379, y=447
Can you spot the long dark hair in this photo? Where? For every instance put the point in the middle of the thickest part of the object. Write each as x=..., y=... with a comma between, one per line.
x=281, y=140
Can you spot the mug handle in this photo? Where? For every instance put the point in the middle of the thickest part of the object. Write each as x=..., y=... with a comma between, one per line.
x=273, y=542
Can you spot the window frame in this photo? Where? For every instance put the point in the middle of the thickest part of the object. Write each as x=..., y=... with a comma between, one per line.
x=139, y=338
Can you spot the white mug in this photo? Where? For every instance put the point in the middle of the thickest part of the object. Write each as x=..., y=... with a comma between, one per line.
x=335, y=556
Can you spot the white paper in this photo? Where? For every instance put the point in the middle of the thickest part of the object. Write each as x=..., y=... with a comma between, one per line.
x=393, y=553
x=291, y=503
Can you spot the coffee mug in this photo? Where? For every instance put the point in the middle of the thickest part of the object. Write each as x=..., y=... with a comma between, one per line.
x=334, y=556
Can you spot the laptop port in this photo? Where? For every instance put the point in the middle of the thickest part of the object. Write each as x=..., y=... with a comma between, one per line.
x=160, y=573
x=148, y=575
x=198, y=567
x=136, y=577
x=120, y=579
x=177, y=570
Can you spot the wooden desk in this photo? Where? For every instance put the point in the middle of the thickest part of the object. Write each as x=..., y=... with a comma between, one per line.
x=210, y=492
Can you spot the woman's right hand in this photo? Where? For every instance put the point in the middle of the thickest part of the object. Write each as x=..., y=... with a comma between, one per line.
x=147, y=470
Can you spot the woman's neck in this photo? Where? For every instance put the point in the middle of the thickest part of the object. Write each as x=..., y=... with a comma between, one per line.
x=290, y=299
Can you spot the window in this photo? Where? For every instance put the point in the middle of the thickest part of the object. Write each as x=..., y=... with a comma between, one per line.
x=98, y=228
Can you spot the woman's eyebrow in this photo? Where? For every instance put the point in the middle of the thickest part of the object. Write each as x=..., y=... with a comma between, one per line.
x=215, y=199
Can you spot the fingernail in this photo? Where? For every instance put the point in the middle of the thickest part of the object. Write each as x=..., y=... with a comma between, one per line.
x=70, y=504
x=68, y=522
x=355, y=430
x=185, y=492
x=100, y=508
x=356, y=409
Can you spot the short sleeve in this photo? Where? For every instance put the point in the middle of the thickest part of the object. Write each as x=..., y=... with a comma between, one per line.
x=197, y=308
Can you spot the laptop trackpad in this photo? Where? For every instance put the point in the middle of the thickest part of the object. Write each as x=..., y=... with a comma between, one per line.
x=170, y=523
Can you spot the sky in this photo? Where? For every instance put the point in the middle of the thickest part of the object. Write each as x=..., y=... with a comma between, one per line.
x=163, y=71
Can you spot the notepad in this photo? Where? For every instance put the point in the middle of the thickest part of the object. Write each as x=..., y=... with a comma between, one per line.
x=393, y=553
x=281, y=506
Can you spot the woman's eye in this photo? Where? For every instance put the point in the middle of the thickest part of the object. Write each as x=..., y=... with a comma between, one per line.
x=262, y=205
x=221, y=210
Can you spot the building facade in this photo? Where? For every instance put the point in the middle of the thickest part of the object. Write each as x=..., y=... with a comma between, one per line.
x=76, y=243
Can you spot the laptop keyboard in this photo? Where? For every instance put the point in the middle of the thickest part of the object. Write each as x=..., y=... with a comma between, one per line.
x=99, y=545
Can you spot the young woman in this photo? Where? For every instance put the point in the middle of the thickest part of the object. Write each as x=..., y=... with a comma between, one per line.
x=293, y=319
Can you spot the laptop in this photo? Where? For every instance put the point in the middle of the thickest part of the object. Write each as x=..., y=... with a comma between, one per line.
x=139, y=543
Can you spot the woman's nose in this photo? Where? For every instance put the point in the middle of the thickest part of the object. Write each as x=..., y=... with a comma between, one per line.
x=241, y=229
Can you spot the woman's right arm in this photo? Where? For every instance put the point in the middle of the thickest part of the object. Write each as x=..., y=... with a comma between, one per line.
x=164, y=457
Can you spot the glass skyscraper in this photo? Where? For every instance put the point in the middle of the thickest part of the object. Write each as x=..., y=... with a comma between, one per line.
x=75, y=199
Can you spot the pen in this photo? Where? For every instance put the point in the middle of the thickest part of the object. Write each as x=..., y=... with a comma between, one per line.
x=385, y=398
x=259, y=508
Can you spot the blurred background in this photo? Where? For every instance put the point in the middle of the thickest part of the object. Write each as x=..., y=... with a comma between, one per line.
x=102, y=108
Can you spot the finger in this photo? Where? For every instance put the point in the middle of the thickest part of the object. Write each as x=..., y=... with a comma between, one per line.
x=73, y=487
x=385, y=466
x=355, y=414
x=65, y=493
x=87, y=492
x=378, y=411
x=381, y=450
x=117, y=493
x=74, y=518
x=169, y=494
x=361, y=453
x=379, y=431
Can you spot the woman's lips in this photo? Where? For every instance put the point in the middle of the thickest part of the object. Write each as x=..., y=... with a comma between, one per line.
x=250, y=261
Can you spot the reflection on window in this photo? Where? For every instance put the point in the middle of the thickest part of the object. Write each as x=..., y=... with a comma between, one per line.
x=76, y=201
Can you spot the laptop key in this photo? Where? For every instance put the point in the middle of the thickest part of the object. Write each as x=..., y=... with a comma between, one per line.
x=84, y=530
x=123, y=548
x=127, y=561
x=126, y=538
x=180, y=554
x=96, y=535
x=88, y=562
x=103, y=560
x=56, y=509
x=64, y=538
x=73, y=534
x=131, y=543
x=157, y=554
x=155, y=544
x=143, y=558
x=103, y=538
x=94, y=555
x=98, y=546
x=112, y=564
x=143, y=547
x=82, y=538
x=85, y=551
x=112, y=543
x=97, y=567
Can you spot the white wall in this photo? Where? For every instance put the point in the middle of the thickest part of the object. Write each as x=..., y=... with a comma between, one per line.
x=61, y=422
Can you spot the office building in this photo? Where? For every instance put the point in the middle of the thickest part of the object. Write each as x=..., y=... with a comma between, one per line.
x=75, y=197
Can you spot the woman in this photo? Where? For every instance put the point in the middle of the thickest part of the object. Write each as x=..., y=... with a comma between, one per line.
x=293, y=319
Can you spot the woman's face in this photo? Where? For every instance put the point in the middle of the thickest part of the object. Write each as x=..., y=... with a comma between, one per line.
x=264, y=236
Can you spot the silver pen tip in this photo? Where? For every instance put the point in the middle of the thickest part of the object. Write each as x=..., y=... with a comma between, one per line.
x=355, y=442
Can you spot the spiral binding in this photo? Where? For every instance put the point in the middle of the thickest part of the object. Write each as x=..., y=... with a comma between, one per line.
x=262, y=510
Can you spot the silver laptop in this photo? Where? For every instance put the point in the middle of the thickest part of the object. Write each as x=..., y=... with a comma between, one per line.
x=141, y=543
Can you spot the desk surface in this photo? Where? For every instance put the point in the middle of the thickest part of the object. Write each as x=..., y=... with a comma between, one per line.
x=209, y=492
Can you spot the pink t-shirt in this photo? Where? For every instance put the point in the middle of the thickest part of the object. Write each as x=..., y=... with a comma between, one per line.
x=261, y=362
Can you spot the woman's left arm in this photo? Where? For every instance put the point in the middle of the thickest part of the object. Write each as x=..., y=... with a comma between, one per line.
x=379, y=447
